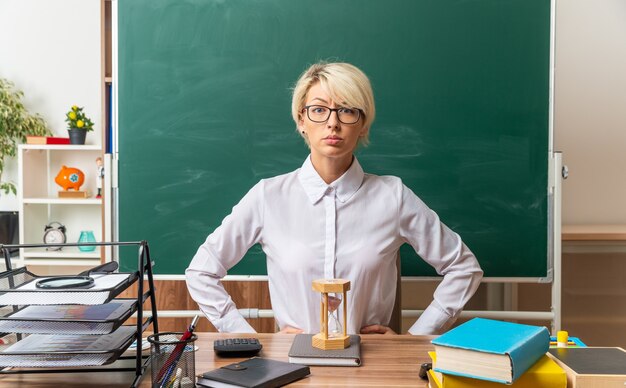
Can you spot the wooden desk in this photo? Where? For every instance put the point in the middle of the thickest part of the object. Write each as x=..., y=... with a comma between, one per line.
x=593, y=232
x=387, y=361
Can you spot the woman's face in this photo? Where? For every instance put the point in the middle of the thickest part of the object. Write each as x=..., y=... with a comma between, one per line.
x=332, y=138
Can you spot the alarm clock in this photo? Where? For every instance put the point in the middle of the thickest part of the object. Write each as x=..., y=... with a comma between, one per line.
x=54, y=233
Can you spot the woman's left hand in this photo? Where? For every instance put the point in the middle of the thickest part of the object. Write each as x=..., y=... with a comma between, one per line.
x=377, y=329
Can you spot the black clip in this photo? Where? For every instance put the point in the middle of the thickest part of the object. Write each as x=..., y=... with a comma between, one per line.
x=424, y=368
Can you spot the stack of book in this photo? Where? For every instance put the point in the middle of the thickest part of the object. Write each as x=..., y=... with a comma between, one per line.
x=47, y=140
x=488, y=353
x=543, y=373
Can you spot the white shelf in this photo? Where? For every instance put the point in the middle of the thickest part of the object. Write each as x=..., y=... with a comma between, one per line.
x=64, y=201
x=38, y=164
x=66, y=253
x=61, y=147
x=62, y=262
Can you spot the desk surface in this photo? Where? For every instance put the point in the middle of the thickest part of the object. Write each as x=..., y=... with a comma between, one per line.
x=387, y=360
x=593, y=232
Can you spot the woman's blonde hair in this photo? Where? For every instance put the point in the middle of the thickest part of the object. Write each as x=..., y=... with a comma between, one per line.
x=344, y=83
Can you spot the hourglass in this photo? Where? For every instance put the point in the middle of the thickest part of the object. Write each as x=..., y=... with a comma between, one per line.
x=337, y=338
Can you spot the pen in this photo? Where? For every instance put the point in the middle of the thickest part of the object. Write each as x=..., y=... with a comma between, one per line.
x=164, y=382
x=168, y=366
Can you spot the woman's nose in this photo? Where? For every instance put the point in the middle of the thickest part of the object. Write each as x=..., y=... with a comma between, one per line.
x=333, y=120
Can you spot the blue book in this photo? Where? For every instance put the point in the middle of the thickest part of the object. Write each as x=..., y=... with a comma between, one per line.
x=490, y=350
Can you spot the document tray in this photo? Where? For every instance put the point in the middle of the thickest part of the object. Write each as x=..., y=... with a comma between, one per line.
x=69, y=319
x=18, y=287
x=43, y=351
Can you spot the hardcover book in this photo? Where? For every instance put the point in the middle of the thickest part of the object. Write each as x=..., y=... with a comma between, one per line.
x=592, y=367
x=545, y=373
x=255, y=372
x=490, y=350
x=302, y=352
x=47, y=140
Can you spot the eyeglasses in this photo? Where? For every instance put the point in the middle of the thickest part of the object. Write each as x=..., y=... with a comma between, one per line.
x=321, y=113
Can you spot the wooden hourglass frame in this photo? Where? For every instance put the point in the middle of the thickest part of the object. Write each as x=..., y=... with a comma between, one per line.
x=325, y=287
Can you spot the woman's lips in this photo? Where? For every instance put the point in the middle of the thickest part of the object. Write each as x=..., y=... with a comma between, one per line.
x=332, y=140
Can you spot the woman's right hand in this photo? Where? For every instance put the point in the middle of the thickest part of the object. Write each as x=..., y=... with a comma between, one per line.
x=290, y=330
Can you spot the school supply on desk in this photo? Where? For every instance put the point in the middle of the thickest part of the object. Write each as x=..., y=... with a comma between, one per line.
x=169, y=353
x=70, y=319
x=490, y=350
x=47, y=140
x=592, y=367
x=545, y=373
x=255, y=372
x=303, y=352
x=237, y=347
x=67, y=350
x=75, y=351
x=572, y=342
x=169, y=367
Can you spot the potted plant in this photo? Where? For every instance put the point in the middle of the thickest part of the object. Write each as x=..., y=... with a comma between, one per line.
x=15, y=124
x=78, y=125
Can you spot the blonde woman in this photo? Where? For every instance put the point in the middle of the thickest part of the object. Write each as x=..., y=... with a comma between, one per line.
x=329, y=219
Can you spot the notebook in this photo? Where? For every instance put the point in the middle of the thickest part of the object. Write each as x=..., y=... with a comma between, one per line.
x=255, y=372
x=302, y=352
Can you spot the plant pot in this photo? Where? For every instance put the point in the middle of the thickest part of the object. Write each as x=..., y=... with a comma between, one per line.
x=77, y=135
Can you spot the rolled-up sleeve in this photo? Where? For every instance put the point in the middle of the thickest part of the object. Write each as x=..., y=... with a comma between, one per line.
x=444, y=250
x=221, y=251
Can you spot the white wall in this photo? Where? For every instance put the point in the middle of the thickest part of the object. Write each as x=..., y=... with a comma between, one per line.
x=590, y=109
x=50, y=49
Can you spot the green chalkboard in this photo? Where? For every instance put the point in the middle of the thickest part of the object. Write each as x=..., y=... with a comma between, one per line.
x=462, y=91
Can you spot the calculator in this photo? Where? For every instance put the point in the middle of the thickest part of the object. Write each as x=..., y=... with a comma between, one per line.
x=237, y=347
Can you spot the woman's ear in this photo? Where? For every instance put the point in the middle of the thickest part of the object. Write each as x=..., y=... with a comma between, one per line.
x=364, y=131
x=300, y=124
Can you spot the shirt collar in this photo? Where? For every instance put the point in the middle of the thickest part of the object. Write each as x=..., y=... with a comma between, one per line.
x=345, y=186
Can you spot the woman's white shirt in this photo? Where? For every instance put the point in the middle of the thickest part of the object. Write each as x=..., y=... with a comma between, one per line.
x=349, y=229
